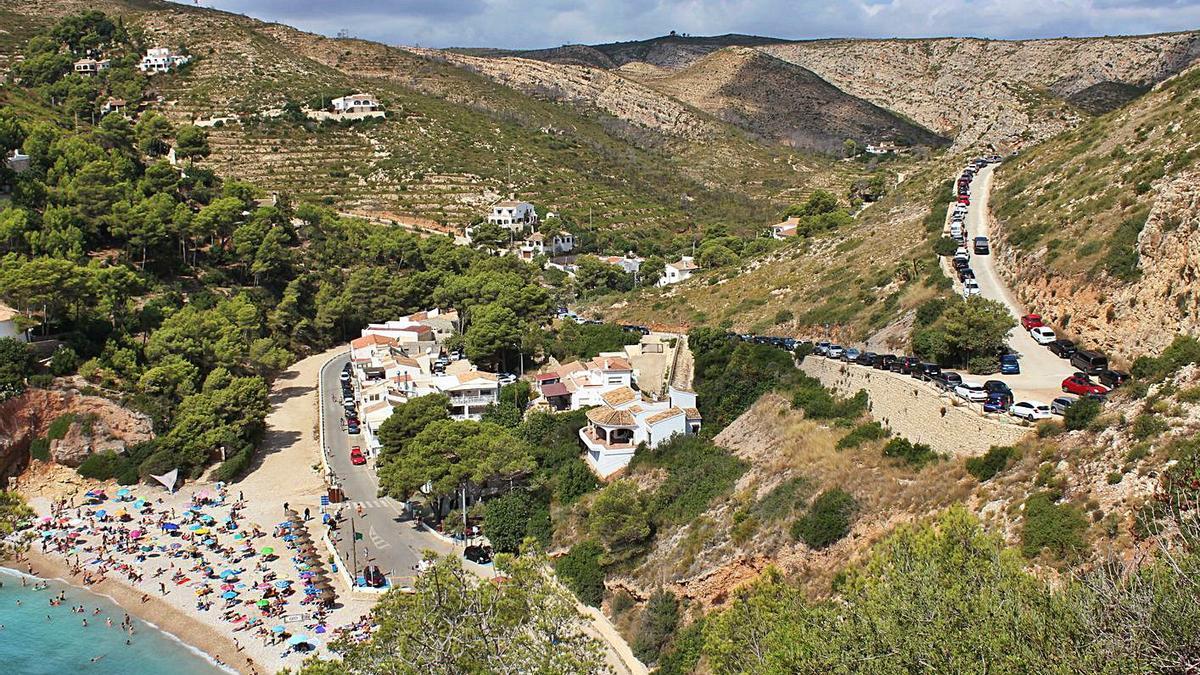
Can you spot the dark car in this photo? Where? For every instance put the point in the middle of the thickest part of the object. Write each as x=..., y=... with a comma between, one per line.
x=1112, y=378
x=966, y=273
x=1010, y=364
x=909, y=365
x=997, y=387
x=885, y=361
x=947, y=380
x=866, y=359
x=997, y=403
x=961, y=262
x=1062, y=348
x=480, y=555
x=927, y=372
x=981, y=246
x=1089, y=362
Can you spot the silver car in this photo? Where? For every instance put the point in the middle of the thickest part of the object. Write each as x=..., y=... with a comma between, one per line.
x=1059, y=405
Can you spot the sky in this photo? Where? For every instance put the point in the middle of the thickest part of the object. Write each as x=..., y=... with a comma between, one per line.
x=532, y=24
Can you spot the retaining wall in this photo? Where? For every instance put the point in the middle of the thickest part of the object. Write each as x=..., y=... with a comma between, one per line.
x=917, y=410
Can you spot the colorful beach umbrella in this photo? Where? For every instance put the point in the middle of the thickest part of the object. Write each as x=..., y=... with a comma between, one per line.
x=123, y=492
x=301, y=640
x=263, y=603
x=282, y=583
x=170, y=527
x=267, y=550
x=229, y=595
x=279, y=629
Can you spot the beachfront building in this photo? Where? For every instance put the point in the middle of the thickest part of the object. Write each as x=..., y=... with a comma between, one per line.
x=161, y=60
x=470, y=392
x=355, y=103
x=675, y=272
x=625, y=419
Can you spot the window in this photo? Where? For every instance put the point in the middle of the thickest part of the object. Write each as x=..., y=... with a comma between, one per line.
x=615, y=379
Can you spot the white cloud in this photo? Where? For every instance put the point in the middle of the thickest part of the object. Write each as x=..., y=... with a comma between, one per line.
x=527, y=24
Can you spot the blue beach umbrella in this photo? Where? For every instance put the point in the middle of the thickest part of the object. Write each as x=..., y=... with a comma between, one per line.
x=100, y=513
x=228, y=574
x=170, y=527
x=282, y=583
x=229, y=595
x=123, y=492
x=301, y=640
x=193, y=528
x=279, y=629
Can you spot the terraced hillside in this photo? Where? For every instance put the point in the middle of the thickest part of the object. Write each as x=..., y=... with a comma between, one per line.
x=783, y=102
x=454, y=140
x=667, y=51
x=1099, y=225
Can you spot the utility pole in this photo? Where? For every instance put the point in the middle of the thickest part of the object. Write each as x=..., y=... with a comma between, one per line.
x=353, y=550
x=464, y=511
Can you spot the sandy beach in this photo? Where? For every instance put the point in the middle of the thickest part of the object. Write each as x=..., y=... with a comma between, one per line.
x=287, y=470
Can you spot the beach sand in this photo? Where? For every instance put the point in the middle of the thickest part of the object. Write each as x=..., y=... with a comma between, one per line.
x=287, y=470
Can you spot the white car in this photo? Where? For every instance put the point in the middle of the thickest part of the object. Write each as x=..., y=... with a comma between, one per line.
x=835, y=351
x=971, y=392
x=1030, y=410
x=1043, y=335
x=961, y=250
x=970, y=288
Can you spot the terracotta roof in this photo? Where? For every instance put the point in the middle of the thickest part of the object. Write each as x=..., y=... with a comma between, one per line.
x=372, y=339
x=508, y=204
x=536, y=236
x=7, y=313
x=620, y=395
x=547, y=376
x=635, y=409
x=463, y=378
x=406, y=361
x=572, y=367
x=555, y=389
x=693, y=414
x=610, y=363
x=610, y=417
x=664, y=415
x=685, y=265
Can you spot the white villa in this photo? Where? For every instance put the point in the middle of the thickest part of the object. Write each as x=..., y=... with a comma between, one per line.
x=161, y=60
x=355, y=103
x=628, y=262
x=785, y=229
x=91, y=67
x=513, y=215
x=624, y=420
x=536, y=244
x=17, y=162
x=578, y=385
x=8, y=324
x=112, y=105
x=676, y=272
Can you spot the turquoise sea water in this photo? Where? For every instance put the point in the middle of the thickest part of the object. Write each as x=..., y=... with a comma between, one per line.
x=31, y=644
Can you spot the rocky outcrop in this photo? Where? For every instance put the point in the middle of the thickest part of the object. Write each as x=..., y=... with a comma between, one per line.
x=96, y=424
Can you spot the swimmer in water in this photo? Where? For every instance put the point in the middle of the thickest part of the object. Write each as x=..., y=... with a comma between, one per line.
x=97, y=658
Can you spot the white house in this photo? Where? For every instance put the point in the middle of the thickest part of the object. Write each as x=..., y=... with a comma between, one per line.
x=112, y=105
x=470, y=392
x=17, y=162
x=536, y=244
x=676, y=272
x=161, y=60
x=578, y=385
x=8, y=324
x=355, y=103
x=628, y=262
x=91, y=67
x=785, y=229
x=624, y=420
x=513, y=215
x=883, y=148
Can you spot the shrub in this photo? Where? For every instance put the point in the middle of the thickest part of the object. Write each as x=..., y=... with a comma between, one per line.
x=1183, y=350
x=1058, y=528
x=580, y=571
x=945, y=246
x=657, y=626
x=784, y=316
x=784, y=499
x=1081, y=413
x=1049, y=428
x=233, y=466
x=40, y=449
x=100, y=466
x=41, y=381
x=60, y=426
x=573, y=480
x=1148, y=425
x=863, y=433
x=63, y=361
x=697, y=472
x=930, y=310
x=828, y=519
x=995, y=460
x=619, y=518
x=683, y=655
x=818, y=403
x=914, y=454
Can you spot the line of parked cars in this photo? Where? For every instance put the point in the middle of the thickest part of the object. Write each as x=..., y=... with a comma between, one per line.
x=959, y=233
x=1089, y=363
x=349, y=407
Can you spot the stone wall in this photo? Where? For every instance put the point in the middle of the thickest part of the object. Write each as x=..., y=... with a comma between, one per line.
x=917, y=410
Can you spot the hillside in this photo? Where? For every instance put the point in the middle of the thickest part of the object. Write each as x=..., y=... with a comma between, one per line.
x=784, y=103
x=667, y=51
x=1006, y=94
x=448, y=146
x=1099, y=224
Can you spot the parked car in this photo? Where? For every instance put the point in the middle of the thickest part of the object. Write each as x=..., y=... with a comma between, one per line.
x=1010, y=364
x=866, y=359
x=966, y=273
x=927, y=372
x=1031, y=321
x=1082, y=385
x=964, y=200
x=970, y=287
x=353, y=430
x=1043, y=335
x=981, y=246
x=822, y=348
x=1030, y=410
x=506, y=378
x=1089, y=362
x=1112, y=378
x=996, y=403
x=480, y=555
x=356, y=456
x=851, y=355
x=961, y=262
x=947, y=380
x=885, y=361
x=1059, y=405
x=997, y=387
x=835, y=351
x=961, y=251
x=345, y=376
x=1062, y=348
x=971, y=392
x=909, y=365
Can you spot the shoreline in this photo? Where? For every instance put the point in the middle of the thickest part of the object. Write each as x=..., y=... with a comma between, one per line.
x=188, y=630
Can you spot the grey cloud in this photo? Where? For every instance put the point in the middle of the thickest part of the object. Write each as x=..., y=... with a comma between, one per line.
x=527, y=24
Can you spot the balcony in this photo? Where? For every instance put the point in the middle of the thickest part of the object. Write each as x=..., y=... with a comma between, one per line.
x=471, y=400
x=598, y=443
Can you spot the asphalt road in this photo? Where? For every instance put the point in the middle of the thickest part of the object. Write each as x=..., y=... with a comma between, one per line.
x=389, y=539
x=1042, y=372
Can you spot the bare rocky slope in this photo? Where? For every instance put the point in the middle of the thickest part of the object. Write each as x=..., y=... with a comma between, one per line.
x=783, y=102
x=667, y=51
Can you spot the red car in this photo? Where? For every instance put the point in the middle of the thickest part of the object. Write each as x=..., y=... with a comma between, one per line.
x=356, y=456
x=964, y=200
x=1031, y=321
x=1082, y=385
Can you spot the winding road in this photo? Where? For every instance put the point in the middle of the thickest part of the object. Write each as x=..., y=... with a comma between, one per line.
x=1042, y=372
